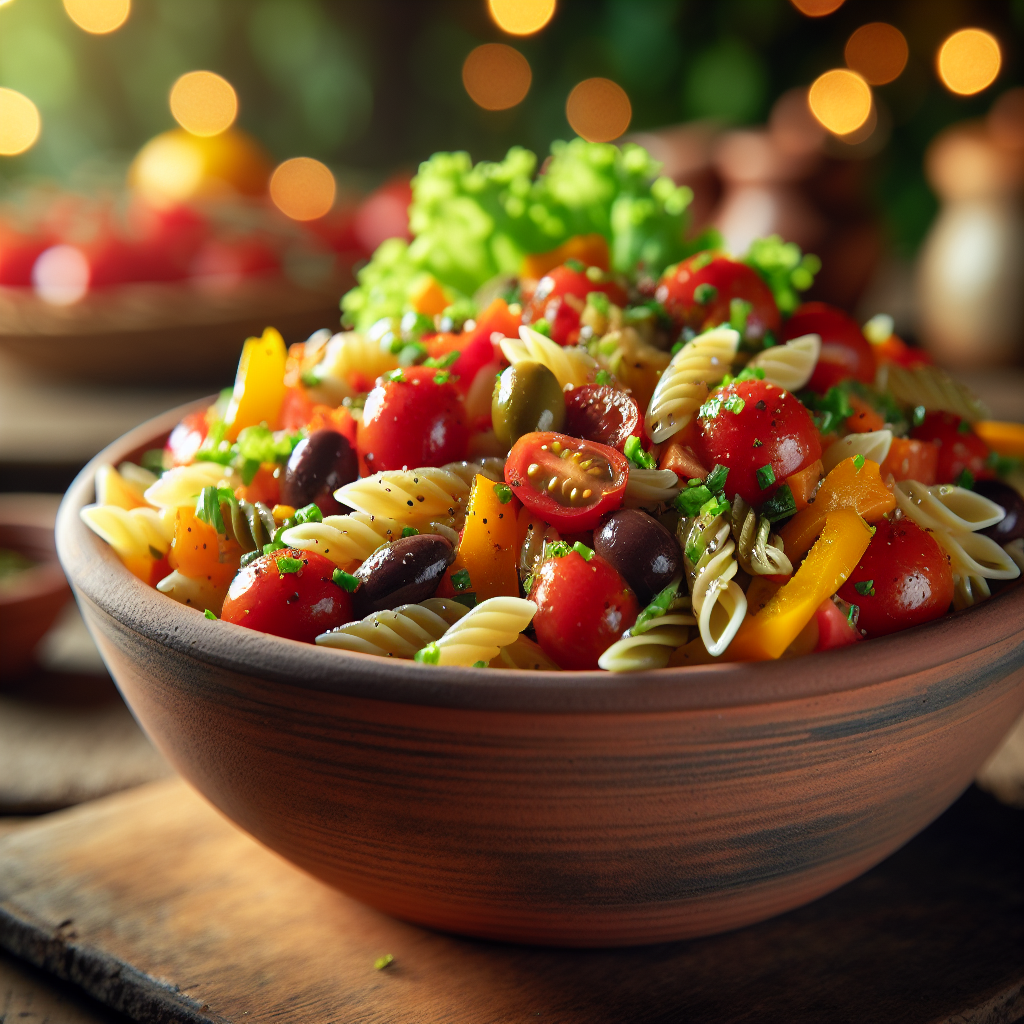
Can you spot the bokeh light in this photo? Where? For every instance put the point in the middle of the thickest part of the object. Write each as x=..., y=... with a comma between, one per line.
x=203, y=103
x=817, y=8
x=521, y=17
x=968, y=61
x=302, y=188
x=19, y=123
x=840, y=100
x=60, y=275
x=98, y=16
x=496, y=76
x=598, y=110
x=877, y=52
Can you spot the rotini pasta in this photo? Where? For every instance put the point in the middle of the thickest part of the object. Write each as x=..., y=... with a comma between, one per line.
x=523, y=653
x=479, y=635
x=758, y=551
x=790, y=365
x=132, y=533
x=873, y=445
x=398, y=633
x=350, y=363
x=931, y=388
x=183, y=484
x=124, y=486
x=646, y=488
x=570, y=365
x=201, y=593
x=635, y=362
x=684, y=385
x=537, y=535
x=651, y=649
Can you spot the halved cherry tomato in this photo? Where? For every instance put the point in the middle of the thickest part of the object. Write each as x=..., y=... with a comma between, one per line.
x=698, y=294
x=959, y=446
x=604, y=414
x=568, y=482
x=560, y=297
x=834, y=629
x=412, y=418
x=845, y=352
x=187, y=438
x=271, y=595
x=761, y=433
x=902, y=580
x=583, y=607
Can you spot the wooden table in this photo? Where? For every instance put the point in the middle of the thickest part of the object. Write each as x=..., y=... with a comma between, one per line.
x=152, y=903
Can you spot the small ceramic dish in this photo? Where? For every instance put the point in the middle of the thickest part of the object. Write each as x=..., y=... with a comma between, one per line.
x=572, y=808
x=30, y=599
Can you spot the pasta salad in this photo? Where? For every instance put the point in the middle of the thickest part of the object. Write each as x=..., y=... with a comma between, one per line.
x=555, y=434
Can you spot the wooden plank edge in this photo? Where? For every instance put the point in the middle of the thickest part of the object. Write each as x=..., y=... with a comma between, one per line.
x=1005, y=1007
x=111, y=981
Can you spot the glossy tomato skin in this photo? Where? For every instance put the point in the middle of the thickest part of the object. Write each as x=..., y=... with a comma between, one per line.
x=582, y=609
x=560, y=297
x=845, y=352
x=771, y=429
x=477, y=347
x=538, y=458
x=959, y=447
x=910, y=576
x=412, y=422
x=186, y=439
x=604, y=414
x=729, y=280
x=297, y=605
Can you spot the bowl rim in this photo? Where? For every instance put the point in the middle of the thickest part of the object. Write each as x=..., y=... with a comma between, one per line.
x=98, y=575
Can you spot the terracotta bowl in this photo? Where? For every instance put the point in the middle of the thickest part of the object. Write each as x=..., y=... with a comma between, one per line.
x=578, y=809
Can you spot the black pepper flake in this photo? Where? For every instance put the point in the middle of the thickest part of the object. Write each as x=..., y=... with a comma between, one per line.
x=760, y=405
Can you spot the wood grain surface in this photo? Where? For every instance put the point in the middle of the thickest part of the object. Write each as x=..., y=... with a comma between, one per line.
x=153, y=903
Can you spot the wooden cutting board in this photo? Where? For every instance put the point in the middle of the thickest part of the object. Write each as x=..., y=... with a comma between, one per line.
x=153, y=903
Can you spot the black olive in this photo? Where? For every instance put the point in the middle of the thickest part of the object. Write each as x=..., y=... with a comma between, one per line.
x=402, y=572
x=1011, y=526
x=643, y=552
x=319, y=465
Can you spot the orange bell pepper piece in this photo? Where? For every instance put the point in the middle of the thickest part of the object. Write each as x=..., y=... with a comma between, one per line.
x=590, y=250
x=197, y=550
x=804, y=483
x=487, y=548
x=1003, y=438
x=834, y=556
x=429, y=298
x=259, y=384
x=861, y=490
x=864, y=418
x=910, y=459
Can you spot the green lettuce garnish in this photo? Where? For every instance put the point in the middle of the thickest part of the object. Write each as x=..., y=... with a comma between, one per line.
x=785, y=269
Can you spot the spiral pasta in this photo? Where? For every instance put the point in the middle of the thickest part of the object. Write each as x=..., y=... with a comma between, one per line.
x=523, y=653
x=570, y=365
x=932, y=388
x=648, y=487
x=537, y=535
x=758, y=551
x=132, y=533
x=684, y=385
x=480, y=634
x=196, y=592
x=718, y=601
x=651, y=649
x=124, y=486
x=183, y=484
x=352, y=361
x=789, y=366
x=953, y=515
x=399, y=632
x=635, y=362
x=873, y=445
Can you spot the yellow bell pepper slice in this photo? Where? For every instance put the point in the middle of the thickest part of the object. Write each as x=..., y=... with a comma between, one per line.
x=1004, y=438
x=861, y=490
x=259, y=384
x=834, y=556
x=487, y=547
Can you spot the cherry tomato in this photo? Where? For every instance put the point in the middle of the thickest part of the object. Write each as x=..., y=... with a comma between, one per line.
x=277, y=598
x=834, y=629
x=18, y=254
x=770, y=432
x=560, y=297
x=959, y=446
x=412, y=418
x=582, y=609
x=568, y=482
x=604, y=414
x=186, y=438
x=698, y=294
x=476, y=347
x=903, y=579
x=845, y=352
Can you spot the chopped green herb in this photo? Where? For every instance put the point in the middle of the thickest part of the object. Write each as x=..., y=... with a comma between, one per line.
x=583, y=551
x=469, y=600
x=528, y=584
x=442, y=377
x=208, y=508
x=765, y=477
x=694, y=549
x=599, y=301
x=739, y=310
x=345, y=580
x=919, y=414
x=429, y=655
x=259, y=444
x=866, y=588
x=387, y=959
x=209, y=615
x=634, y=451
x=714, y=507
x=461, y=580
x=602, y=377
x=414, y=325
x=784, y=269
x=287, y=565
x=503, y=493
x=309, y=514
x=705, y=294
x=963, y=427
x=830, y=410
x=660, y=604
x=699, y=262
x=310, y=378
x=858, y=461
x=780, y=505
x=409, y=531
x=541, y=326
x=411, y=353
x=690, y=500
x=153, y=460
x=715, y=480
x=155, y=553
x=479, y=664
x=852, y=614
x=442, y=362
x=1003, y=465
x=574, y=264
x=248, y=470
x=734, y=404
x=966, y=480
x=676, y=347
x=395, y=376
x=249, y=557
x=768, y=341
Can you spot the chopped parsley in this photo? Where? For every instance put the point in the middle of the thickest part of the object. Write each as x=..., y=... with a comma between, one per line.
x=409, y=531
x=781, y=505
x=866, y=588
x=345, y=580
x=560, y=548
x=602, y=377
x=690, y=500
x=429, y=655
x=765, y=477
x=287, y=565
x=442, y=362
x=308, y=514
x=208, y=507
x=461, y=580
x=659, y=605
x=395, y=376
x=963, y=427
x=383, y=961
x=541, y=326
x=209, y=615
x=634, y=451
x=966, y=480
x=694, y=549
x=704, y=294
x=469, y=600
x=711, y=408
x=715, y=480
x=852, y=615
x=599, y=301
x=739, y=310
x=858, y=461
x=503, y=493
x=918, y=415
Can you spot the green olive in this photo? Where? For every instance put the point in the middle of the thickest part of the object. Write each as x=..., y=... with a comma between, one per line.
x=526, y=398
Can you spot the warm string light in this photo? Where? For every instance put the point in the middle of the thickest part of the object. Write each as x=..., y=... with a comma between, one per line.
x=496, y=76
x=303, y=188
x=817, y=8
x=598, y=110
x=877, y=52
x=521, y=17
x=203, y=103
x=19, y=123
x=969, y=61
x=840, y=100
x=98, y=16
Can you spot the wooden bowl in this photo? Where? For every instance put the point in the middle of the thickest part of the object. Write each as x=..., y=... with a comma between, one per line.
x=31, y=601
x=579, y=809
